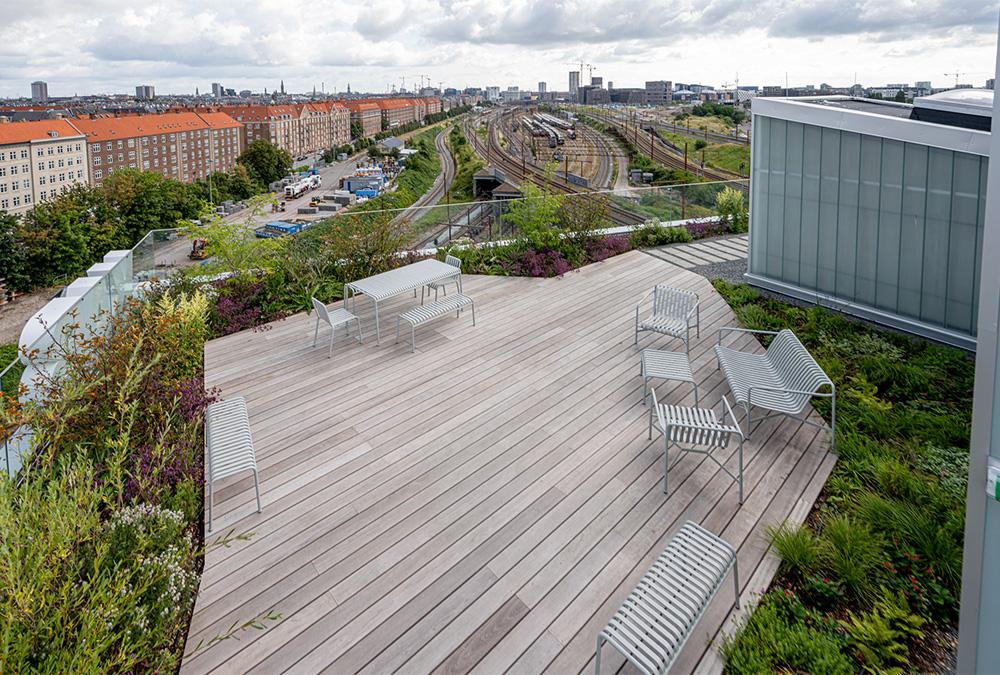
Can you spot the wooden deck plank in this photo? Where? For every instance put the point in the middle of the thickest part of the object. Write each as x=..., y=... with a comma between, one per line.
x=483, y=503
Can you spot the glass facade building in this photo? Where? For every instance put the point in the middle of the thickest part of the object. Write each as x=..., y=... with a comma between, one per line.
x=873, y=214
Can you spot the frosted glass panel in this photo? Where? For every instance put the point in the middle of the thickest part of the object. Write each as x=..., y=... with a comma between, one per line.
x=875, y=222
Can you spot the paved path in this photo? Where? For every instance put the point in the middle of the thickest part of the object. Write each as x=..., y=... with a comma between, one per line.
x=703, y=252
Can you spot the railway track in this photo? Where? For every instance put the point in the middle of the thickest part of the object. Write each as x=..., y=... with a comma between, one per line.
x=520, y=170
x=444, y=179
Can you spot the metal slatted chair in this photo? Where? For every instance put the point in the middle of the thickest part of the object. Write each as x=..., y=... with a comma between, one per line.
x=337, y=317
x=661, y=612
x=672, y=311
x=782, y=380
x=229, y=446
x=697, y=430
x=442, y=285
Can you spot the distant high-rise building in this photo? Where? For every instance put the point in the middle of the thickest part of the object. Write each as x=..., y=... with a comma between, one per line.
x=611, y=85
x=659, y=92
x=245, y=93
x=596, y=81
x=574, y=83
x=39, y=92
x=990, y=83
x=217, y=90
x=145, y=92
x=542, y=87
x=493, y=94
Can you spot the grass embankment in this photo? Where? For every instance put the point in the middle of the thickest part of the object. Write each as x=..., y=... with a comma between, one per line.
x=414, y=180
x=871, y=581
x=467, y=163
x=725, y=156
x=8, y=384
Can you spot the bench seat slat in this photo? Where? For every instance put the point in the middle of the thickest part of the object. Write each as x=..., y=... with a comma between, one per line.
x=659, y=615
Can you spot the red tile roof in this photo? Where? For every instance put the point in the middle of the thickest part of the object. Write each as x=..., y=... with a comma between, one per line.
x=22, y=132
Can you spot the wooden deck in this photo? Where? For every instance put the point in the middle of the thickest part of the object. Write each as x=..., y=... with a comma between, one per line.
x=484, y=504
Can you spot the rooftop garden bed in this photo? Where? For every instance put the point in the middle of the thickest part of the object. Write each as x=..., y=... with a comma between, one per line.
x=871, y=581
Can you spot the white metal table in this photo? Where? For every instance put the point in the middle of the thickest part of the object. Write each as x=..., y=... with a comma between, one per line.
x=400, y=280
x=666, y=365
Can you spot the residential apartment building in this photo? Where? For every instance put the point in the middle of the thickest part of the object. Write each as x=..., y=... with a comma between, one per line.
x=396, y=111
x=432, y=105
x=367, y=114
x=39, y=160
x=185, y=146
x=298, y=128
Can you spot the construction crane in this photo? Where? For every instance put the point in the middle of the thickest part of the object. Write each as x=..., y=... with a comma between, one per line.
x=590, y=73
x=957, y=75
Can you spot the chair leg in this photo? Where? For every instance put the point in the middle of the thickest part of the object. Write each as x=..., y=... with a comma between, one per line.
x=422, y=289
x=256, y=487
x=360, y=334
x=666, y=459
x=695, y=385
x=413, y=338
x=473, y=314
x=597, y=656
x=397, y=329
x=697, y=321
x=736, y=581
x=650, y=434
x=316, y=332
x=333, y=334
x=739, y=455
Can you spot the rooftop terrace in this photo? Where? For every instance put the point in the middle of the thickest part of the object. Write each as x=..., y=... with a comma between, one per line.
x=485, y=503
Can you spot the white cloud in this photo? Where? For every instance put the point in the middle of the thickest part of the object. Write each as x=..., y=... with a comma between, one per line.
x=111, y=45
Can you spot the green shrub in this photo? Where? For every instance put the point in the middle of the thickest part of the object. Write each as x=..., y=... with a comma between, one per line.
x=797, y=548
x=781, y=636
x=852, y=554
x=882, y=636
x=652, y=233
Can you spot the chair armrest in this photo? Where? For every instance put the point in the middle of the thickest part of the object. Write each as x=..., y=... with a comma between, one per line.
x=643, y=299
x=728, y=410
x=691, y=312
x=736, y=329
x=780, y=390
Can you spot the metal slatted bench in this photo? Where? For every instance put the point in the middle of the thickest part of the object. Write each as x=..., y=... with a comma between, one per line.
x=423, y=313
x=229, y=445
x=660, y=613
x=782, y=380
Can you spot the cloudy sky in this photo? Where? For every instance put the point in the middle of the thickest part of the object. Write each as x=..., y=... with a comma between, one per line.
x=93, y=46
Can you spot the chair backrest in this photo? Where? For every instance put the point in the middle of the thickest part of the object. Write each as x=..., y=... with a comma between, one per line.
x=668, y=301
x=693, y=426
x=794, y=364
x=453, y=261
x=321, y=310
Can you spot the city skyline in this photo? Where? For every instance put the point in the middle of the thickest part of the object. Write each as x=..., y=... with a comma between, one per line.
x=179, y=46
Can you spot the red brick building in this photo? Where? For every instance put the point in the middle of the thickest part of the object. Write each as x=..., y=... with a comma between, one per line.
x=185, y=146
x=299, y=128
x=367, y=114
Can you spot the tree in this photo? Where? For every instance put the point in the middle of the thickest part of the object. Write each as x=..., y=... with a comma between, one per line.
x=900, y=96
x=357, y=131
x=13, y=263
x=731, y=209
x=536, y=214
x=265, y=162
x=147, y=200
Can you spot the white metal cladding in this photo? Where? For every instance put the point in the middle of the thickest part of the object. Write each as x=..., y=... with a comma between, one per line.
x=660, y=613
x=882, y=226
